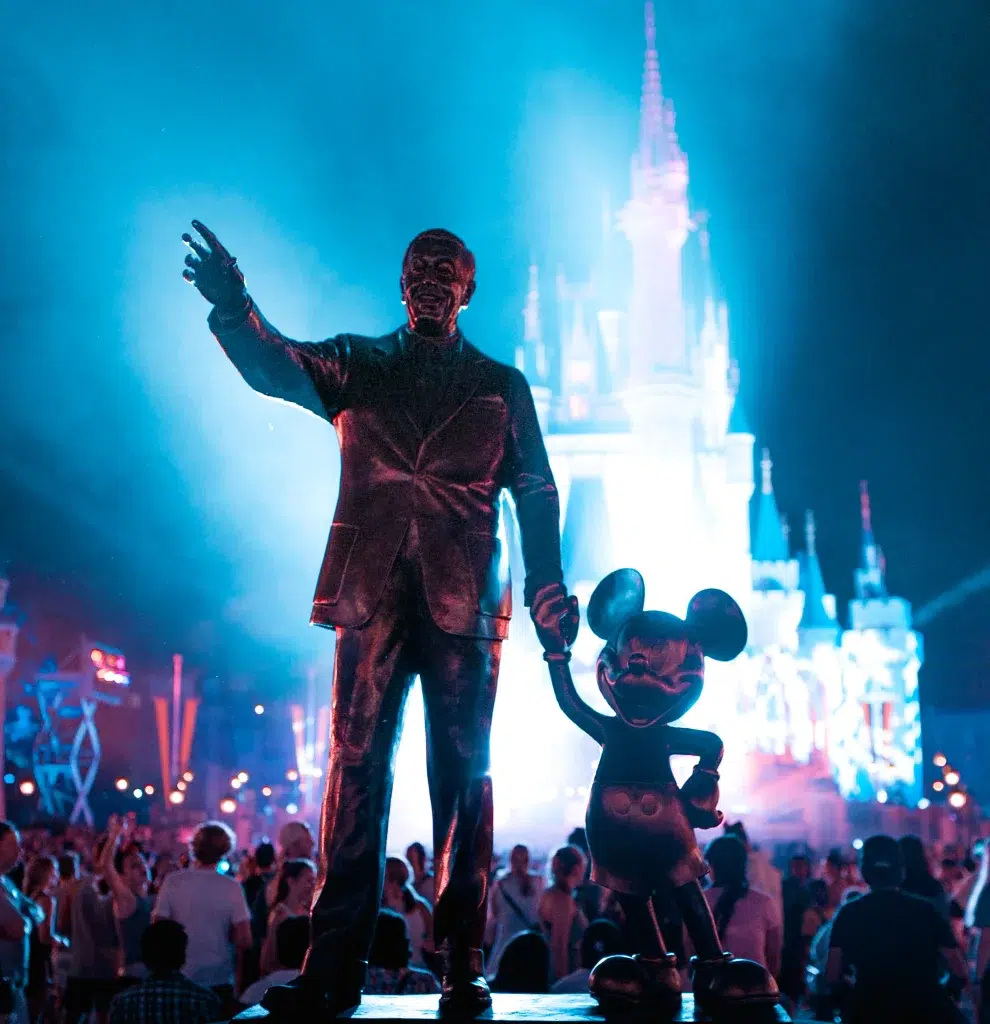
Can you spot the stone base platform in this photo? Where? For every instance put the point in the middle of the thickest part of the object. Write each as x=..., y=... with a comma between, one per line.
x=516, y=1009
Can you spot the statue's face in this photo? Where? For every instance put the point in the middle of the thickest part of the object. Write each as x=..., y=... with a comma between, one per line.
x=437, y=283
x=654, y=672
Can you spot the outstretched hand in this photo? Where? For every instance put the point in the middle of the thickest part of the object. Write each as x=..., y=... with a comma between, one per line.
x=213, y=271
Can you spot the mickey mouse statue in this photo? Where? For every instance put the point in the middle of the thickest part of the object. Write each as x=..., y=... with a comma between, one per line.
x=640, y=824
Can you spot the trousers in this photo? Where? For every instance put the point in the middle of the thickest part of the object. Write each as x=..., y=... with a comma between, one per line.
x=374, y=668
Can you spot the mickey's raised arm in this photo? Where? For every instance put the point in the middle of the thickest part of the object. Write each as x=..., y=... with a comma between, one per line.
x=585, y=718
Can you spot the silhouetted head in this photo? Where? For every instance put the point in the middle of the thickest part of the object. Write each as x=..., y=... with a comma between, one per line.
x=525, y=965
x=652, y=666
x=880, y=863
x=437, y=282
x=390, y=946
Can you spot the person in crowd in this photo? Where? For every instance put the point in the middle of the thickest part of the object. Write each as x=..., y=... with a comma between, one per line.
x=18, y=915
x=590, y=896
x=423, y=881
x=68, y=882
x=796, y=898
x=165, y=996
x=835, y=875
x=295, y=842
x=212, y=909
x=525, y=965
x=126, y=874
x=255, y=885
x=95, y=947
x=264, y=871
x=293, y=898
x=561, y=917
x=893, y=943
x=513, y=905
x=746, y=918
x=817, y=987
x=390, y=971
x=399, y=895
x=977, y=917
x=918, y=877
x=291, y=943
x=165, y=864
x=40, y=882
x=601, y=938
x=759, y=868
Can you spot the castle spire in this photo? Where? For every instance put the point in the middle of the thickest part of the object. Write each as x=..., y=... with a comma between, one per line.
x=531, y=356
x=657, y=138
x=771, y=541
x=817, y=613
x=870, y=576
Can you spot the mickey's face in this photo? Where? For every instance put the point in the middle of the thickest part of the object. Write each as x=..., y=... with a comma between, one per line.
x=651, y=671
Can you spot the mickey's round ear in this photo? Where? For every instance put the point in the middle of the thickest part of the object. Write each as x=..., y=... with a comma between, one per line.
x=718, y=624
x=619, y=596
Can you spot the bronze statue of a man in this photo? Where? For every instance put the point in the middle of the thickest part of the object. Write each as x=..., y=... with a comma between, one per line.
x=414, y=582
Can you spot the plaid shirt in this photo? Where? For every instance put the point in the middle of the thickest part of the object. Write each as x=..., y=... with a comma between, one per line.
x=166, y=999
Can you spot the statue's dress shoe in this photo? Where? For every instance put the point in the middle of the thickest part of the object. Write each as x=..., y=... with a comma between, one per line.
x=464, y=990
x=316, y=998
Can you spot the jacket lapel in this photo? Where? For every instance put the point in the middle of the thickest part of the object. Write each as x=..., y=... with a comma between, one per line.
x=465, y=379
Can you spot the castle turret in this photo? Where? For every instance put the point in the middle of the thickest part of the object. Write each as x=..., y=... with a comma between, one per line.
x=818, y=618
x=656, y=222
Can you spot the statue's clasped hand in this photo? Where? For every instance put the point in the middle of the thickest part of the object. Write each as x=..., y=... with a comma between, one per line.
x=555, y=616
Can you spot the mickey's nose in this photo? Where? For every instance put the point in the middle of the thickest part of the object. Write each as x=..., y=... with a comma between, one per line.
x=639, y=664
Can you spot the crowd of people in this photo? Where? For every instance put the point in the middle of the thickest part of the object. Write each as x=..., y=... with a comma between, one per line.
x=120, y=929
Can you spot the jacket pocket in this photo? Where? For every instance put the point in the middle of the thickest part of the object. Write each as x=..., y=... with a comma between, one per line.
x=490, y=577
x=338, y=555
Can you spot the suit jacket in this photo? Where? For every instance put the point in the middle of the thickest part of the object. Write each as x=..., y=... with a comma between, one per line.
x=447, y=477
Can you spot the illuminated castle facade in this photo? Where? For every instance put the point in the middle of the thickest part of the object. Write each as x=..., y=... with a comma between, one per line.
x=655, y=466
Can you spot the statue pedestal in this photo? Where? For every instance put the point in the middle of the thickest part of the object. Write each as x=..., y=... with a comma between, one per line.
x=509, y=1009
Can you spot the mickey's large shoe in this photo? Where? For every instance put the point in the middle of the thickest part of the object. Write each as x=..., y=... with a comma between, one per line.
x=637, y=986
x=464, y=990
x=315, y=998
x=731, y=982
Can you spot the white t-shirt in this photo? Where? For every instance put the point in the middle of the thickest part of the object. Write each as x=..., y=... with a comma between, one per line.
x=754, y=925
x=208, y=905
x=256, y=992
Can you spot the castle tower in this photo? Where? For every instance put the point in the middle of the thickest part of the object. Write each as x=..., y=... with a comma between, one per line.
x=881, y=656
x=656, y=222
x=776, y=603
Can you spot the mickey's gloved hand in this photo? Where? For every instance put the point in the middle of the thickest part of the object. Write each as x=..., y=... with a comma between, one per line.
x=700, y=798
x=555, y=616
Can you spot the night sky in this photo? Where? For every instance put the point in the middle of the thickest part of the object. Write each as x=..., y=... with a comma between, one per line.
x=840, y=147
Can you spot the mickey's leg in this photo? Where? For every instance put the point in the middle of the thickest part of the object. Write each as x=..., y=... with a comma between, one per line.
x=647, y=981
x=719, y=979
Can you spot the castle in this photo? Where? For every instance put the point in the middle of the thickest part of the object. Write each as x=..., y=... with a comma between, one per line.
x=655, y=464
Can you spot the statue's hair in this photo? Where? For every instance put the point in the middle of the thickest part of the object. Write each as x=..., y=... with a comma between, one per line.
x=446, y=236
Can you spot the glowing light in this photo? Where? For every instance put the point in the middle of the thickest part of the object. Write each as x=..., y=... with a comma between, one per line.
x=96, y=656
x=857, y=844
x=951, y=777
x=175, y=797
x=27, y=787
x=180, y=786
x=138, y=793
x=292, y=808
x=939, y=760
x=235, y=783
x=938, y=785
x=266, y=790
x=292, y=775
x=187, y=776
x=228, y=805
x=924, y=803
x=243, y=776
x=958, y=799
x=881, y=796
x=9, y=778
x=149, y=790
x=259, y=709
x=121, y=784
